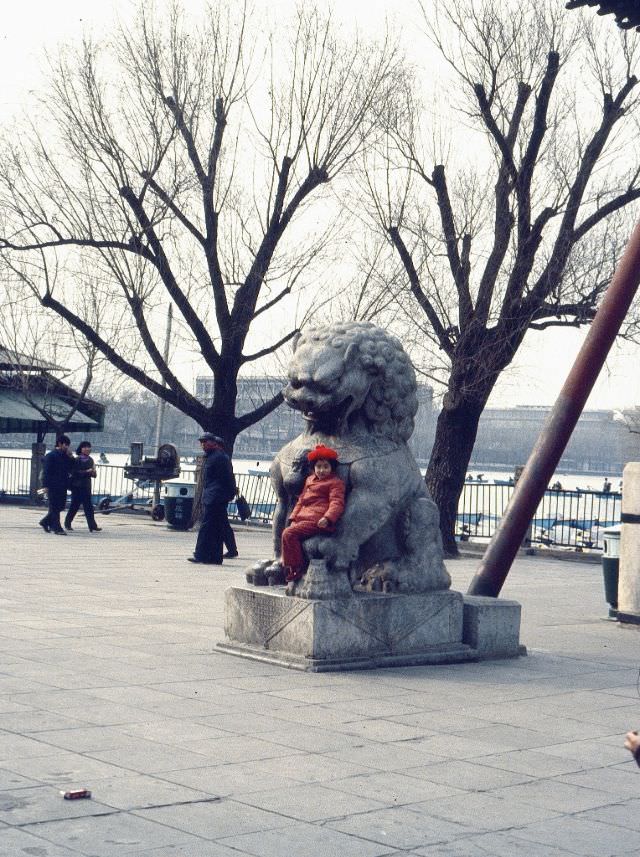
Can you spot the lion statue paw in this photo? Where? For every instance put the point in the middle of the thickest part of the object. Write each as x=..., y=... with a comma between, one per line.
x=379, y=578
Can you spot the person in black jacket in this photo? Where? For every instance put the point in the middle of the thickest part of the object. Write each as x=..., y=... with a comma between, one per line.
x=56, y=467
x=218, y=488
x=82, y=472
x=632, y=743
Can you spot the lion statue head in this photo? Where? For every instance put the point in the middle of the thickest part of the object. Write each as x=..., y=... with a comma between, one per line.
x=351, y=376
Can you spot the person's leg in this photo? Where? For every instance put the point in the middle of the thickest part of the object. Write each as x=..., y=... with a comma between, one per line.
x=87, y=507
x=73, y=509
x=293, y=557
x=229, y=537
x=45, y=522
x=217, y=532
x=57, y=502
x=201, y=552
x=52, y=517
x=209, y=542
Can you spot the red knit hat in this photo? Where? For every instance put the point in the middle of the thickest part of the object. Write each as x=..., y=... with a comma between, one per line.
x=324, y=453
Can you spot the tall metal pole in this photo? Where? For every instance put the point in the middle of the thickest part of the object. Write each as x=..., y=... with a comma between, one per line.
x=161, y=402
x=555, y=435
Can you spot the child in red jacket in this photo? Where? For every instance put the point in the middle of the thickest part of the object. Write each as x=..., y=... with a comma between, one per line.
x=320, y=505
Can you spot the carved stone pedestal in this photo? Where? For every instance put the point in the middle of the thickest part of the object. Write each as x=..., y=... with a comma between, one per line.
x=363, y=631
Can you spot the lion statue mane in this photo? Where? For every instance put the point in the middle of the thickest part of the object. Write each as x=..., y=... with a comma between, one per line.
x=356, y=390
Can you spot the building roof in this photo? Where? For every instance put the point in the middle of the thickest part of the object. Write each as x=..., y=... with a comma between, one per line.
x=19, y=412
x=626, y=12
x=14, y=361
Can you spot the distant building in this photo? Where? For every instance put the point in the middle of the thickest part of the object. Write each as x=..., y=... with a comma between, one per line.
x=266, y=437
x=599, y=444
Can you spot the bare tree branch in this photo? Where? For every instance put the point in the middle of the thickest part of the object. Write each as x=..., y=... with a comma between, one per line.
x=258, y=355
x=162, y=173
x=259, y=413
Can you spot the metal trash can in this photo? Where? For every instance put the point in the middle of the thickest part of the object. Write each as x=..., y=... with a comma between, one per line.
x=178, y=503
x=610, y=567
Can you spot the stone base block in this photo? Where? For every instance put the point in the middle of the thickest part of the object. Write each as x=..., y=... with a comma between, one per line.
x=362, y=631
x=492, y=627
x=627, y=618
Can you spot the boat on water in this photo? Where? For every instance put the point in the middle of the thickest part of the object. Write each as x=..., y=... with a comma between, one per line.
x=574, y=492
x=598, y=493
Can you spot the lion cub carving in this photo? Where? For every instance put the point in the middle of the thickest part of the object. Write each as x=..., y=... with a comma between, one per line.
x=356, y=390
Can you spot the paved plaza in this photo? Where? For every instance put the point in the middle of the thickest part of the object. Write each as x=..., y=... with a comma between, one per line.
x=110, y=680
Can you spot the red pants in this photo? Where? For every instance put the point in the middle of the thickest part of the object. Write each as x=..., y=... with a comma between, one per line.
x=292, y=538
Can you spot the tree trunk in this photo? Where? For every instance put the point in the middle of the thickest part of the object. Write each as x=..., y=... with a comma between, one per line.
x=221, y=418
x=222, y=427
x=455, y=436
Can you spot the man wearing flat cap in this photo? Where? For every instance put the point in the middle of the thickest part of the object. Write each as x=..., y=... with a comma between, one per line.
x=218, y=488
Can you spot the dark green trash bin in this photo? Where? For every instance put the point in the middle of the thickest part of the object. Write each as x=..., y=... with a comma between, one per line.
x=610, y=567
x=178, y=503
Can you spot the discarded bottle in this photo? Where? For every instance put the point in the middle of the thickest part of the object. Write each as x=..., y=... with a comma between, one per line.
x=76, y=794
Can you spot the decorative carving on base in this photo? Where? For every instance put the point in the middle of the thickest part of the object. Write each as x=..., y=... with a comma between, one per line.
x=367, y=631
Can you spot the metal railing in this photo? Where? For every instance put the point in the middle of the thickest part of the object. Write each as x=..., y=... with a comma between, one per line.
x=572, y=519
x=259, y=494
x=14, y=477
x=110, y=482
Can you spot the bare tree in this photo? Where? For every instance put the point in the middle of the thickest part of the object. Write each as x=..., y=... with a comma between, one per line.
x=181, y=160
x=521, y=230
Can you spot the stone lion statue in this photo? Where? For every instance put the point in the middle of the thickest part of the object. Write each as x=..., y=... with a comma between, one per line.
x=356, y=390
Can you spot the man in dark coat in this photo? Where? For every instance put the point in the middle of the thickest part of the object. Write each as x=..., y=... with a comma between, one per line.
x=56, y=467
x=218, y=488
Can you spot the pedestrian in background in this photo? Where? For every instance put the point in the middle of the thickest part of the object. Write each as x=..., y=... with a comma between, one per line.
x=56, y=468
x=218, y=488
x=632, y=743
x=82, y=472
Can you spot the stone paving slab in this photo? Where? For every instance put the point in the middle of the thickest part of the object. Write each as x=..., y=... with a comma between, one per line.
x=110, y=679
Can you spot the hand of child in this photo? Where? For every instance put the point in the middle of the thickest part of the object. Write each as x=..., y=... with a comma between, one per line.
x=323, y=523
x=632, y=741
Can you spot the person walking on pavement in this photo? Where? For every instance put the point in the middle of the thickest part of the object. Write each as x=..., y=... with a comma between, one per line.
x=82, y=472
x=229, y=539
x=56, y=467
x=218, y=488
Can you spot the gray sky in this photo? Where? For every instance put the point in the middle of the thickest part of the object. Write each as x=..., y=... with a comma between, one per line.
x=30, y=27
